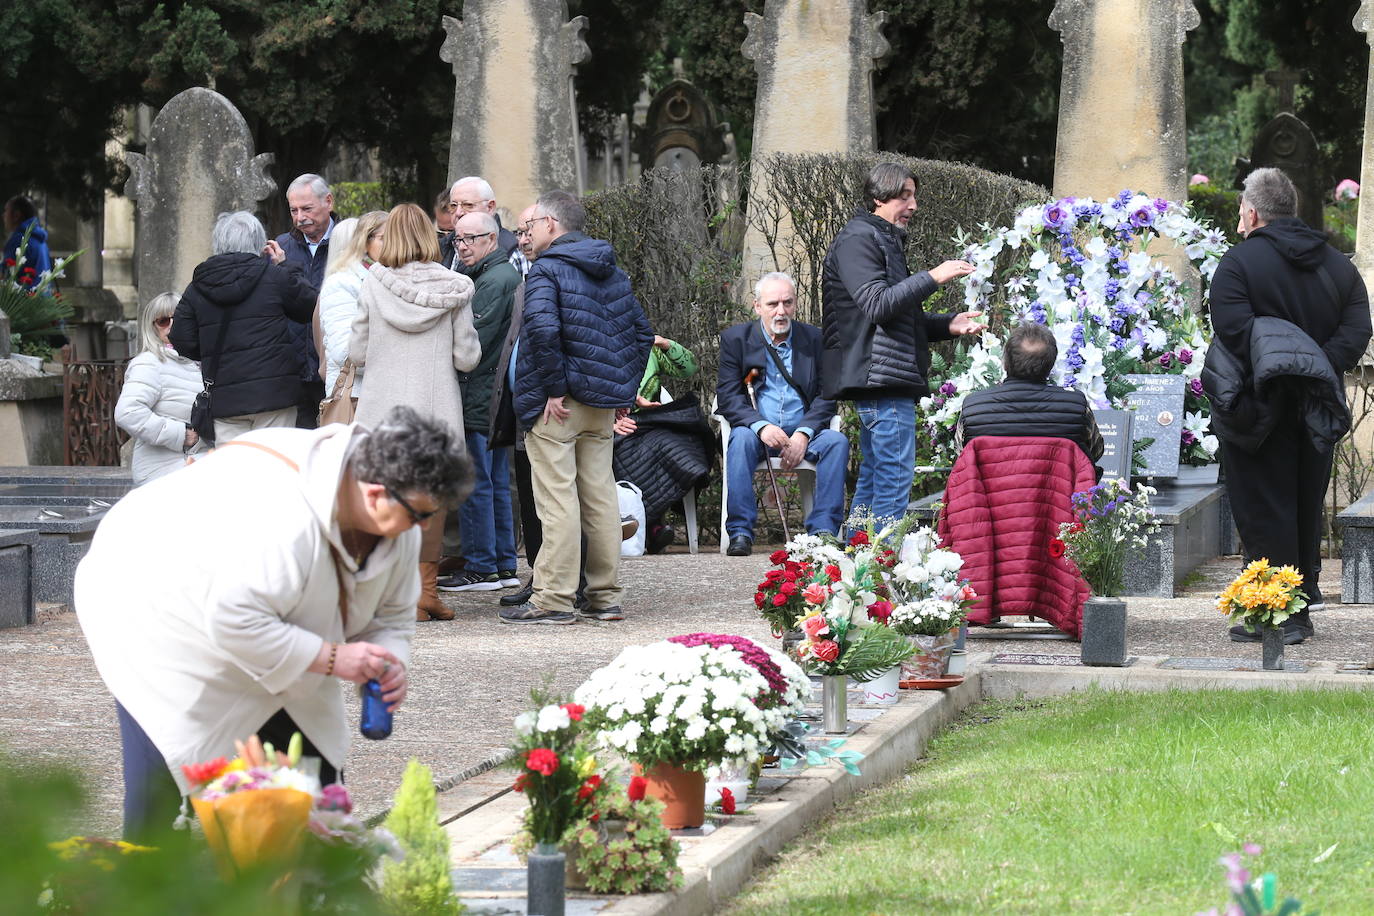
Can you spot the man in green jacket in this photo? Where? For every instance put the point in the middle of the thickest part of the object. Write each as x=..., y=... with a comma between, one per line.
x=484, y=520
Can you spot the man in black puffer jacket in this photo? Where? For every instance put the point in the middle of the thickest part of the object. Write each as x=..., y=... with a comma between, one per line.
x=1026, y=404
x=876, y=335
x=235, y=318
x=1277, y=482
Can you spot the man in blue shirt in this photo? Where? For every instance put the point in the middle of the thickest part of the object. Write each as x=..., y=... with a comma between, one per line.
x=792, y=420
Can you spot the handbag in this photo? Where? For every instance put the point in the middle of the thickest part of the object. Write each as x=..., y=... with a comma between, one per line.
x=340, y=406
x=202, y=416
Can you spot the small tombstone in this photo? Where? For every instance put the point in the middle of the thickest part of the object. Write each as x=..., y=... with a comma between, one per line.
x=198, y=163
x=1287, y=143
x=1115, y=426
x=1158, y=405
x=681, y=129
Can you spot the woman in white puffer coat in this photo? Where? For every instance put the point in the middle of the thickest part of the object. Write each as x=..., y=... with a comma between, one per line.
x=349, y=258
x=155, y=403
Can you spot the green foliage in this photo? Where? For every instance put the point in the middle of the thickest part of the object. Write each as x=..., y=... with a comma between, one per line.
x=419, y=885
x=1340, y=222
x=1218, y=204
x=354, y=198
x=876, y=650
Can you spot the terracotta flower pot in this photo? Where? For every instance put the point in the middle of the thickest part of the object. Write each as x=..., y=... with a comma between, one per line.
x=683, y=793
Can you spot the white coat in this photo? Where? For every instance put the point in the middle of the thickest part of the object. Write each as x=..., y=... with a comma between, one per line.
x=204, y=631
x=154, y=408
x=338, y=307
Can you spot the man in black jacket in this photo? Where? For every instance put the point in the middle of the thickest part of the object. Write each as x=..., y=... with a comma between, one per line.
x=1284, y=269
x=1026, y=404
x=876, y=335
x=792, y=419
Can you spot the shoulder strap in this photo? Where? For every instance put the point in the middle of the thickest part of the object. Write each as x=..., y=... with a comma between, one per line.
x=210, y=365
x=1328, y=284
x=787, y=376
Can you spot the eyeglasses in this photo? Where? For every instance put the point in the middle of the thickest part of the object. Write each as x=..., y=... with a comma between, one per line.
x=163, y=322
x=467, y=206
x=470, y=239
x=418, y=518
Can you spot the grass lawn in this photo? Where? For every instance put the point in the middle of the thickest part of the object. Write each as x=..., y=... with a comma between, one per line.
x=1103, y=802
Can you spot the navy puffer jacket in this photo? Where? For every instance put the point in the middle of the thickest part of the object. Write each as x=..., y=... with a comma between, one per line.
x=584, y=333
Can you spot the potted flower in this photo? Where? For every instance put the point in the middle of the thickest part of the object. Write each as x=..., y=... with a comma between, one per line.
x=1108, y=520
x=1262, y=597
x=930, y=602
x=675, y=710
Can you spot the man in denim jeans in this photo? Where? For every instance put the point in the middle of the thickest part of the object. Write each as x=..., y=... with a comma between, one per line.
x=876, y=335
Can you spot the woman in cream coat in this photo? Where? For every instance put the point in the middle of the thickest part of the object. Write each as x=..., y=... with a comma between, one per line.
x=301, y=574
x=414, y=332
x=155, y=403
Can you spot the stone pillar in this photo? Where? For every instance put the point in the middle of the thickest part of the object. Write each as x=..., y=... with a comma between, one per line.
x=815, y=65
x=514, y=119
x=1121, y=116
x=1364, y=225
x=199, y=163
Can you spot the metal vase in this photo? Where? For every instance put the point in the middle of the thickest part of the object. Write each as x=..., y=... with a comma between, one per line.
x=834, y=705
x=1271, y=639
x=544, y=875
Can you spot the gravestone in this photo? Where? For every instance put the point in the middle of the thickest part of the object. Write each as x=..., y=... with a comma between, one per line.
x=1115, y=426
x=1121, y=115
x=198, y=163
x=1364, y=225
x=1158, y=405
x=681, y=129
x=815, y=66
x=514, y=121
x=1288, y=144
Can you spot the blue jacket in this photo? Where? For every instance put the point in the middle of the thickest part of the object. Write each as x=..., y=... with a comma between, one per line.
x=312, y=267
x=35, y=255
x=584, y=333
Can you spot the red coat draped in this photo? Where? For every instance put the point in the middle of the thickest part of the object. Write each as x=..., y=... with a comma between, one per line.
x=1004, y=503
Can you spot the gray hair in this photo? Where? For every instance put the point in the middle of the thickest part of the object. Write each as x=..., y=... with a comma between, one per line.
x=485, y=220
x=769, y=278
x=481, y=184
x=1270, y=192
x=317, y=185
x=238, y=231
x=160, y=306
x=408, y=453
x=563, y=206
x=1030, y=352
x=886, y=181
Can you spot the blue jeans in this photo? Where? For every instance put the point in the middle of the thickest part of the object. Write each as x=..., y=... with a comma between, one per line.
x=829, y=452
x=887, y=441
x=484, y=518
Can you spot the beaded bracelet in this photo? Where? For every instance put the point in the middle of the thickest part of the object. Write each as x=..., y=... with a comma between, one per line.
x=333, y=652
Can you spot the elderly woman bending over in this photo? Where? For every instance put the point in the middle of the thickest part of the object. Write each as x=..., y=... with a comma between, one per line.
x=303, y=574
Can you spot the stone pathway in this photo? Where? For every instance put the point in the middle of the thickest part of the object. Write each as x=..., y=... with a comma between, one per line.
x=472, y=675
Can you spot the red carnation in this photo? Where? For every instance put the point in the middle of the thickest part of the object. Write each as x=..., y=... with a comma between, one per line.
x=727, y=801
x=1056, y=548
x=542, y=760
x=777, y=557
x=638, y=786
x=792, y=566
x=788, y=588
x=880, y=610
x=779, y=600
x=860, y=539
x=774, y=575
x=759, y=599
x=521, y=782
x=833, y=572
x=574, y=711
x=588, y=787
x=9, y=262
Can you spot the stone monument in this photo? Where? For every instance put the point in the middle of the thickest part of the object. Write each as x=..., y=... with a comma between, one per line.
x=681, y=129
x=1121, y=116
x=1364, y=225
x=514, y=117
x=198, y=163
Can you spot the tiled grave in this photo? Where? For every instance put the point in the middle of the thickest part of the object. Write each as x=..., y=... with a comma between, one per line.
x=1184, y=663
x=1014, y=658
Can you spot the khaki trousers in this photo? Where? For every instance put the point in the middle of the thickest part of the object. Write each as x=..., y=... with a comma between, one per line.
x=229, y=428
x=574, y=492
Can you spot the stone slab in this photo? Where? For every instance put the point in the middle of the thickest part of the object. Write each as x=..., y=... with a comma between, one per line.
x=65, y=536
x=1014, y=658
x=1356, y=525
x=1186, y=663
x=44, y=494
x=17, y=553
x=58, y=474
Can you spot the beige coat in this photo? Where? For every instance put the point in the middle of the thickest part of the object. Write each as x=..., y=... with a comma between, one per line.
x=414, y=332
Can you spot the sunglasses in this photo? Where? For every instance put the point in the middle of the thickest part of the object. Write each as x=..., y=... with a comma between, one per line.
x=417, y=517
x=164, y=322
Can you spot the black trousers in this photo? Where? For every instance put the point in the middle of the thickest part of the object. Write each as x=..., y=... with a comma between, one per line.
x=1276, y=498
x=308, y=407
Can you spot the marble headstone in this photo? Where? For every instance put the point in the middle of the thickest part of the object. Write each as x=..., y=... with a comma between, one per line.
x=198, y=163
x=1158, y=405
x=1115, y=426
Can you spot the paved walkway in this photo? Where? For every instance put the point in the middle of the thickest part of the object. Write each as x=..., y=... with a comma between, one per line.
x=471, y=676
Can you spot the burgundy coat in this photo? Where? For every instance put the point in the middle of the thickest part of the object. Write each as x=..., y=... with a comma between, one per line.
x=1004, y=503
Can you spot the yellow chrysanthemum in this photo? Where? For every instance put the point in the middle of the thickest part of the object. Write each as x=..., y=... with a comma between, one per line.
x=1258, y=566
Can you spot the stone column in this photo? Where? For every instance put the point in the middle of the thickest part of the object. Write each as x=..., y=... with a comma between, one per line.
x=514, y=120
x=1364, y=226
x=815, y=65
x=199, y=163
x=1121, y=116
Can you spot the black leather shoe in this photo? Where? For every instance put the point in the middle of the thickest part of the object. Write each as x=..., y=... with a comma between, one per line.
x=519, y=597
x=740, y=546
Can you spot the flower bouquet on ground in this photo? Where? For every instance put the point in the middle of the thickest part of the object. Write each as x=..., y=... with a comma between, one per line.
x=779, y=595
x=1257, y=897
x=1263, y=596
x=1108, y=519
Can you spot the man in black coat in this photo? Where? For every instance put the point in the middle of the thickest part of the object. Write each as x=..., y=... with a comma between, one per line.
x=792, y=418
x=1026, y=404
x=1284, y=269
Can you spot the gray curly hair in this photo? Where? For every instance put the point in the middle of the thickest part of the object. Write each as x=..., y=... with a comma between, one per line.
x=409, y=453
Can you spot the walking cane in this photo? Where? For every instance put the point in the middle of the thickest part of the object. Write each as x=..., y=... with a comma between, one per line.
x=767, y=460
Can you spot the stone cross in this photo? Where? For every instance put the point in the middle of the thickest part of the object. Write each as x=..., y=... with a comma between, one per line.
x=1364, y=224
x=198, y=163
x=1286, y=82
x=514, y=117
x=1121, y=116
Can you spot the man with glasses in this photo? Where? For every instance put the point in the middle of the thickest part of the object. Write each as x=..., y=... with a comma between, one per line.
x=484, y=519
x=474, y=195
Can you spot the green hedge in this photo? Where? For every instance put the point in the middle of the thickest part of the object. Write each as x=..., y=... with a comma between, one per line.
x=354, y=198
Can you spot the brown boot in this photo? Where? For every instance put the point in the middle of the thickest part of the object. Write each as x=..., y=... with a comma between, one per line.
x=429, y=606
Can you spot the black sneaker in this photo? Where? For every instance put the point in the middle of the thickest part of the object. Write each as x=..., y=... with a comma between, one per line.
x=528, y=613
x=470, y=582
x=507, y=578
x=518, y=598
x=660, y=538
x=606, y=613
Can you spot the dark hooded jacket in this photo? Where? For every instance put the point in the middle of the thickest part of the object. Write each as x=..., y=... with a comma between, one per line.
x=1257, y=369
x=584, y=333
x=495, y=281
x=259, y=364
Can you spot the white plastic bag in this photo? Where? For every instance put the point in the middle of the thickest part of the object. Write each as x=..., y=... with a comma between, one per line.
x=631, y=506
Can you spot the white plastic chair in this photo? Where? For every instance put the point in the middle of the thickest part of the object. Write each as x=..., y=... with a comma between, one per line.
x=807, y=480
